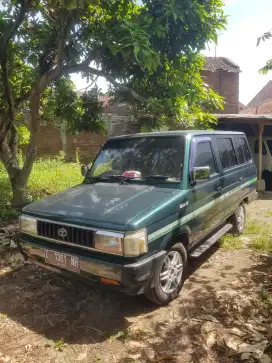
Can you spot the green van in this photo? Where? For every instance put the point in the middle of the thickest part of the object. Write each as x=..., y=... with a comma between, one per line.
x=147, y=204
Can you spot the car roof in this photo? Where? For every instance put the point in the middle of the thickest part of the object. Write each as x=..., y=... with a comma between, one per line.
x=178, y=133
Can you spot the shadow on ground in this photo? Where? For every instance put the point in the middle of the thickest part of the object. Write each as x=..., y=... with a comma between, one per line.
x=56, y=308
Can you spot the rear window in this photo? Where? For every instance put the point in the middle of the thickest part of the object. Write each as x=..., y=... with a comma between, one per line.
x=246, y=150
x=226, y=152
x=242, y=150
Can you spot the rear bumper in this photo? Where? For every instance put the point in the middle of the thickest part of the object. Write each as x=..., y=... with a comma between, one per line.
x=133, y=279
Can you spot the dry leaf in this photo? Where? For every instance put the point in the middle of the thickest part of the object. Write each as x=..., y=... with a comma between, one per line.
x=257, y=350
x=150, y=354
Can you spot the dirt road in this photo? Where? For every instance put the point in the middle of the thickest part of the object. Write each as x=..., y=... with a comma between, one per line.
x=45, y=318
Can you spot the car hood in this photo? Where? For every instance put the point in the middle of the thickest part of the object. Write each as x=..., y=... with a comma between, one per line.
x=101, y=205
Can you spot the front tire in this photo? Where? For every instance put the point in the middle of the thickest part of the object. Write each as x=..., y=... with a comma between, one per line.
x=169, y=277
x=238, y=220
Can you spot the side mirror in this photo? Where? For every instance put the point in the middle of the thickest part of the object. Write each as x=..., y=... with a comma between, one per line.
x=84, y=170
x=201, y=173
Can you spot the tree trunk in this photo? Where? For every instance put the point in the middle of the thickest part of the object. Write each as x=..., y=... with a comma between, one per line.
x=20, y=193
x=63, y=137
x=19, y=176
x=16, y=176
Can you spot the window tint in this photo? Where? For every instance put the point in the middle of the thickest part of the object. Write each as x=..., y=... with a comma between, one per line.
x=239, y=150
x=256, y=148
x=204, y=156
x=226, y=152
x=245, y=149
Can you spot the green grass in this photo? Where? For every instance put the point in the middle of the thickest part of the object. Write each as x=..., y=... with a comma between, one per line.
x=48, y=177
x=230, y=242
x=259, y=234
x=269, y=213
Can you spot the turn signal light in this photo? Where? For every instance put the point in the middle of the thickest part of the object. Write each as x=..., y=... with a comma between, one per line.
x=108, y=281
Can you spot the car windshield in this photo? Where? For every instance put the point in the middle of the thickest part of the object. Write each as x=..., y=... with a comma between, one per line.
x=143, y=157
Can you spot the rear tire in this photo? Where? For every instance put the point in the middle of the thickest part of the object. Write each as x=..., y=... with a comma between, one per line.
x=238, y=220
x=169, y=277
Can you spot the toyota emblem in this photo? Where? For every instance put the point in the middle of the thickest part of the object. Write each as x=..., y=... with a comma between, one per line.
x=62, y=232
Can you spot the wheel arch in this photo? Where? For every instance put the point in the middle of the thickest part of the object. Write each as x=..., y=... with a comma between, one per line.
x=182, y=236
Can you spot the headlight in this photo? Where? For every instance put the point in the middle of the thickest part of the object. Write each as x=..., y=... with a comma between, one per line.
x=28, y=225
x=109, y=242
x=129, y=245
x=135, y=243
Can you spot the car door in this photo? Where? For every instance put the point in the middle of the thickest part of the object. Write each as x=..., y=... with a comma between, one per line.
x=238, y=169
x=204, y=194
x=230, y=173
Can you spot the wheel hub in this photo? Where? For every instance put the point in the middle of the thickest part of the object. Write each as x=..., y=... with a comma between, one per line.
x=171, y=272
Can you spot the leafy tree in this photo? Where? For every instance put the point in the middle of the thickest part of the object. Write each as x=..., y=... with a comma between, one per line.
x=64, y=106
x=268, y=66
x=148, y=52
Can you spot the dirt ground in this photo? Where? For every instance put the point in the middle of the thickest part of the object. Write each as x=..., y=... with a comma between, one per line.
x=45, y=318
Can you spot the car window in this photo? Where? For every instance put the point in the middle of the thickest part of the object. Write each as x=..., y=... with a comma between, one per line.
x=256, y=148
x=246, y=149
x=226, y=152
x=148, y=156
x=239, y=150
x=204, y=156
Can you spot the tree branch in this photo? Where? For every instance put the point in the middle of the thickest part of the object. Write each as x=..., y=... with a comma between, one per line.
x=65, y=27
x=14, y=26
x=83, y=67
x=6, y=126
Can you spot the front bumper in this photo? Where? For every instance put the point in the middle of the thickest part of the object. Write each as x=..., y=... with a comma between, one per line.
x=133, y=279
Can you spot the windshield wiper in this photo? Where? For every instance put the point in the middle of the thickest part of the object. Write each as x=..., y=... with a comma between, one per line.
x=105, y=177
x=157, y=177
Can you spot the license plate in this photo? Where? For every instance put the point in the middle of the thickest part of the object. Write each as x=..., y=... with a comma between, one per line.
x=62, y=260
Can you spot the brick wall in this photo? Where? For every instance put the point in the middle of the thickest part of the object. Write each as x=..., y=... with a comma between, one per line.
x=87, y=144
x=227, y=85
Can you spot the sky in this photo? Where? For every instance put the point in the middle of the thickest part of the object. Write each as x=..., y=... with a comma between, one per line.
x=247, y=20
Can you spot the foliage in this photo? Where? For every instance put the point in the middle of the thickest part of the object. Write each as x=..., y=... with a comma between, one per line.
x=48, y=177
x=62, y=105
x=177, y=96
x=268, y=66
x=148, y=52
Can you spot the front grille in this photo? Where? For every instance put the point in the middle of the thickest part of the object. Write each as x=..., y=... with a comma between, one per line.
x=63, y=233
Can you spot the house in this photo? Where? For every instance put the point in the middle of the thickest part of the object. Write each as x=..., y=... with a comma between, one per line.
x=262, y=96
x=222, y=75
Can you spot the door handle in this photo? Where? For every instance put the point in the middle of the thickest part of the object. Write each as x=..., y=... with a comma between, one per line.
x=218, y=189
x=240, y=179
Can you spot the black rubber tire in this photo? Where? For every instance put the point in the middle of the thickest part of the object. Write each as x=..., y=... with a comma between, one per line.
x=237, y=229
x=156, y=294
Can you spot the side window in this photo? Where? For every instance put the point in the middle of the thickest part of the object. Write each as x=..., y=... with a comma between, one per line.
x=204, y=156
x=246, y=149
x=256, y=148
x=226, y=152
x=239, y=150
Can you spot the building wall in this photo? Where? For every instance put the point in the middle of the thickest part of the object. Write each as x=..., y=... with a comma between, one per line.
x=87, y=144
x=227, y=85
